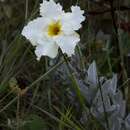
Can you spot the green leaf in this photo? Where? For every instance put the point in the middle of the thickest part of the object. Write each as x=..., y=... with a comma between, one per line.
x=34, y=122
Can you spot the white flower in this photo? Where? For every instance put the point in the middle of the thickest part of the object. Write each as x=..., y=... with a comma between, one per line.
x=55, y=28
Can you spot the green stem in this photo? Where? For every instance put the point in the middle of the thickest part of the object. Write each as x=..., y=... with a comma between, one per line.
x=74, y=82
x=17, y=113
x=109, y=59
x=81, y=57
x=46, y=74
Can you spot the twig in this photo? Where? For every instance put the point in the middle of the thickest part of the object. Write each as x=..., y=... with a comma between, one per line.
x=6, y=106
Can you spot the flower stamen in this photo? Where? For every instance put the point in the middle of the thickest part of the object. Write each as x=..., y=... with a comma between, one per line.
x=54, y=29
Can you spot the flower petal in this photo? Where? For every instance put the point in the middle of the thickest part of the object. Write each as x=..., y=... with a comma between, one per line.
x=33, y=31
x=50, y=9
x=72, y=21
x=67, y=43
x=47, y=49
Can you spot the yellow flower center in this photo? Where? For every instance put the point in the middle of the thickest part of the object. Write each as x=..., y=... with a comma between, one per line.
x=54, y=29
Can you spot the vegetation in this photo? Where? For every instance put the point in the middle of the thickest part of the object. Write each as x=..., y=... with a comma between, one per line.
x=88, y=91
